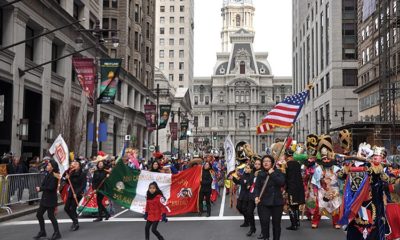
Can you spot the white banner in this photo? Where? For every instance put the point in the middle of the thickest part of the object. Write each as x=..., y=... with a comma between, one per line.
x=230, y=154
x=60, y=153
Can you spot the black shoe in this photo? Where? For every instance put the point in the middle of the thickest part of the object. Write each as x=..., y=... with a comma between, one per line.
x=208, y=214
x=55, y=236
x=99, y=219
x=40, y=235
x=261, y=236
x=292, y=228
x=251, y=232
x=107, y=216
x=245, y=224
x=75, y=227
x=200, y=214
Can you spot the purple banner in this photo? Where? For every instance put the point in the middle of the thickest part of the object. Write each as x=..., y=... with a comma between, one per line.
x=150, y=111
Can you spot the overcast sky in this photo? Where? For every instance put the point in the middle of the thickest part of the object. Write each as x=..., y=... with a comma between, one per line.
x=273, y=26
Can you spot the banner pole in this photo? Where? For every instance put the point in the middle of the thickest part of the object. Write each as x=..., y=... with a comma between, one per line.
x=92, y=195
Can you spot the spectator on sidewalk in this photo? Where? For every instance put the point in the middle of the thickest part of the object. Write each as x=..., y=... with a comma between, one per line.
x=17, y=167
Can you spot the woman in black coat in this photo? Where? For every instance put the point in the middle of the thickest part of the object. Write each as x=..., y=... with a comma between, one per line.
x=270, y=201
x=205, y=190
x=49, y=200
x=251, y=206
x=294, y=189
x=243, y=199
x=99, y=177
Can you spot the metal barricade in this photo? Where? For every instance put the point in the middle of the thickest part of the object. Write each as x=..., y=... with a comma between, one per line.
x=21, y=188
x=3, y=193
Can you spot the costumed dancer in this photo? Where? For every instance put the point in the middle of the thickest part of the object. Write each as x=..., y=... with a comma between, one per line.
x=77, y=178
x=205, y=190
x=294, y=189
x=270, y=202
x=133, y=161
x=49, y=200
x=244, y=182
x=99, y=177
x=156, y=210
x=251, y=206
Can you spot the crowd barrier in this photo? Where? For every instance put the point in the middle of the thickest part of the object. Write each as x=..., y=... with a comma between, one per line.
x=19, y=188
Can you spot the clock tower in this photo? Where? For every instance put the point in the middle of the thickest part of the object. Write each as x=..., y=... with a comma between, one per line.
x=236, y=15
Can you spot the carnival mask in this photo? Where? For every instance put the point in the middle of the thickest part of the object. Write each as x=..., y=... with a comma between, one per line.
x=345, y=140
x=312, y=145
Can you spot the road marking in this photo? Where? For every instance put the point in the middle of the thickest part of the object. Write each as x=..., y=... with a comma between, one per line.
x=120, y=213
x=221, y=210
x=114, y=220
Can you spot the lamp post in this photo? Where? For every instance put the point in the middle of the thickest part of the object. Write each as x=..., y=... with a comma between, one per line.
x=23, y=129
x=343, y=112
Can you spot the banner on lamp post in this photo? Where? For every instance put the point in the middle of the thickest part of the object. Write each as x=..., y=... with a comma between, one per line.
x=150, y=112
x=110, y=69
x=165, y=111
x=85, y=73
x=173, y=127
x=184, y=128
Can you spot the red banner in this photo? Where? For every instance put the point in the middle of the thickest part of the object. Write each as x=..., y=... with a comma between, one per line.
x=173, y=127
x=185, y=190
x=85, y=73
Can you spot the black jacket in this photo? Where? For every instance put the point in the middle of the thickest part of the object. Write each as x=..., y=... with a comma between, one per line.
x=49, y=189
x=245, y=183
x=294, y=183
x=206, y=181
x=98, y=177
x=18, y=169
x=272, y=195
x=78, y=181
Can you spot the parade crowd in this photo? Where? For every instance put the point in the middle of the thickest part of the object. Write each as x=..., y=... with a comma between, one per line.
x=358, y=190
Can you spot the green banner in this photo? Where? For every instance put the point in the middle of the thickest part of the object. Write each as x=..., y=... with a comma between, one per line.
x=184, y=129
x=121, y=185
x=110, y=69
x=165, y=111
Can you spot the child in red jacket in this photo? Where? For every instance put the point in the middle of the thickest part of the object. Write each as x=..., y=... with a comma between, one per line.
x=156, y=210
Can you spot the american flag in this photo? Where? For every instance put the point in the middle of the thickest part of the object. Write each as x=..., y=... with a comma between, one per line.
x=285, y=113
x=264, y=128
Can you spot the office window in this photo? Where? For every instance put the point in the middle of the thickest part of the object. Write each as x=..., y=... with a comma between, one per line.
x=75, y=10
x=207, y=121
x=350, y=77
x=114, y=25
x=129, y=36
x=171, y=77
x=196, y=100
x=181, y=41
x=162, y=8
x=171, y=66
x=162, y=30
x=221, y=122
x=171, y=20
x=328, y=81
x=106, y=3
x=171, y=41
x=29, y=45
x=207, y=100
x=171, y=53
x=262, y=99
x=181, y=77
x=196, y=121
x=181, y=53
x=161, y=54
x=172, y=9
x=171, y=30
x=182, y=19
x=237, y=20
x=114, y=3
x=162, y=20
x=136, y=40
x=181, y=65
x=181, y=8
x=137, y=13
x=161, y=65
x=147, y=54
x=162, y=41
x=181, y=30
x=54, y=55
x=322, y=85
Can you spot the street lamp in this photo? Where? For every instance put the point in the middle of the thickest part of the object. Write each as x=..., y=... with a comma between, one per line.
x=23, y=129
x=50, y=133
x=343, y=112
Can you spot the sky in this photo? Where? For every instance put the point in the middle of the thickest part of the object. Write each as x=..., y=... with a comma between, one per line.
x=273, y=27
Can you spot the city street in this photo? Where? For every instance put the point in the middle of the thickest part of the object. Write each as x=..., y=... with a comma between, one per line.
x=223, y=224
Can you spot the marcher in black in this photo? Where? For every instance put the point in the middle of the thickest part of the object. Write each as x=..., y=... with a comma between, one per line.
x=251, y=206
x=205, y=190
x=243, y=199
x=270, y=202
x=78, y=181
x=49, y=200
x=99, y=177
x=294, y=189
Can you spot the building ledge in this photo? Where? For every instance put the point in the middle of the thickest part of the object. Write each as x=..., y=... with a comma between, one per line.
x=366, y=86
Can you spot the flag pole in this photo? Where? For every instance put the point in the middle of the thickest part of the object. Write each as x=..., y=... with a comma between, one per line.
x=73, y=190
x=280, y=152
x=92, y=195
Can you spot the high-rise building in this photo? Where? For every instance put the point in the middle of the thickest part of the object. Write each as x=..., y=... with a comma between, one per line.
x=241, y=91
x=378, y=72
x=325, y=55
x=174, y=41
x=236, y=15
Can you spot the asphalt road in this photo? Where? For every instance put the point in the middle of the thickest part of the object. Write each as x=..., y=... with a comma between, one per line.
x=222, y=225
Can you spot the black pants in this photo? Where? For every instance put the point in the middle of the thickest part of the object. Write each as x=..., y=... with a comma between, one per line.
x=241, y=206
x=70, y=209
x=101, y=209
x=207, y=195
x=50, y=213
x=265, y=213
x=251, y=205
x=153, y=226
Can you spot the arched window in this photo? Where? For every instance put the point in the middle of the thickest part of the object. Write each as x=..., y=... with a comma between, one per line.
x=242, y=120
x=242, y=67
x=238, y=20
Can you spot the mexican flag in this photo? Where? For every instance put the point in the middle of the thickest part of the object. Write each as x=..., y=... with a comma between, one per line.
x=128, y=187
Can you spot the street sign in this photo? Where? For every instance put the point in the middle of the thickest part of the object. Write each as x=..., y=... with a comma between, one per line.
x=152, y=148
x=1, y=108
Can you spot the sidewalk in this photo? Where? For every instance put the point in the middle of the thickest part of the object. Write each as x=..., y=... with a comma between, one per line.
x=18, y=210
